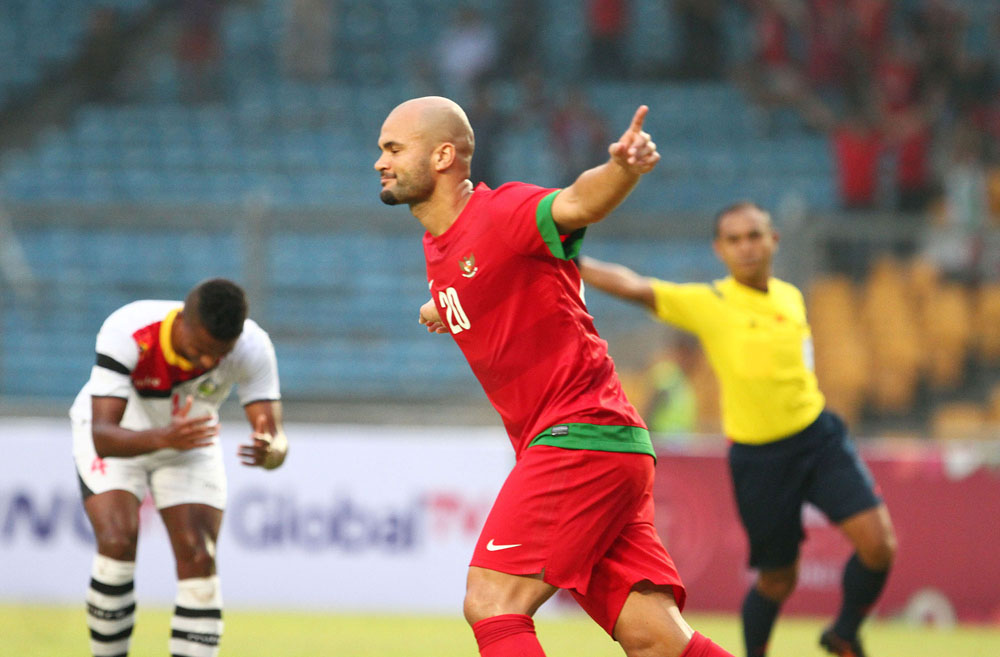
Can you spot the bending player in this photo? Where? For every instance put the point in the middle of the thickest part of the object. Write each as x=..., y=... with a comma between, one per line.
x=148, y=420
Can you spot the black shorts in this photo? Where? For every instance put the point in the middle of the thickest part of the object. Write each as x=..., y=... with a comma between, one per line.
x=817, y=465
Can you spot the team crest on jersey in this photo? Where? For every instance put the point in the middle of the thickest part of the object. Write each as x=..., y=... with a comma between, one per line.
x=468, y=265
x=208, y=387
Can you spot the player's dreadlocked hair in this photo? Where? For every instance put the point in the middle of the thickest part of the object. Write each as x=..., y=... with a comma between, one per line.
x=220, y=306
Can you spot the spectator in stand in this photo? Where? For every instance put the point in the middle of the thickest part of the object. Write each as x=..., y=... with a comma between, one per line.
x=579, y=135
x=955, y=242
x=898, y=74
x=607, y=22
x=857, y=144
x=198, y=49
x=489, y=122
x=774, y=77
x=534, y=108
x=936, y=28
x=522, y=36
x=101, y=59
x=911, y=138
x=827, y=28
x=906, y=108
x=870, y=21
x=973, y=87
x=307, y=45
x=468, y=52
x=701, y=39
x=671, y=409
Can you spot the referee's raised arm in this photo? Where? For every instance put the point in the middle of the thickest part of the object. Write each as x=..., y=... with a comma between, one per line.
x=617, y=280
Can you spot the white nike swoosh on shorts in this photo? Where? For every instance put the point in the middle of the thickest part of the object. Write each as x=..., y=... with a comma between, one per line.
x=493, y=547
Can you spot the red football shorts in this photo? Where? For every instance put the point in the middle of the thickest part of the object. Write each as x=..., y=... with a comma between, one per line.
x=584, y=520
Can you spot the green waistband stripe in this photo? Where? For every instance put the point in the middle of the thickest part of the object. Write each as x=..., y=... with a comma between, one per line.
x=598, y=437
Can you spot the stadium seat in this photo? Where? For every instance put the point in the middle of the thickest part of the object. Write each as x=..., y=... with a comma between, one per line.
x=947, y=325
x=987, y=322
x=959, y=421
x=841, y=357
x=894, y=341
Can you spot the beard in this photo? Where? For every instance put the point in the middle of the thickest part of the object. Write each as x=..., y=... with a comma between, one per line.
x=409, y=189
x=388, y=197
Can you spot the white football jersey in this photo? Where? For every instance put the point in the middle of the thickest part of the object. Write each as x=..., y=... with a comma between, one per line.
x=136, y=361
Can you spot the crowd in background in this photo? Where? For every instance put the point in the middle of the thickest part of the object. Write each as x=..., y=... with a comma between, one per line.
x=906, y=92
x=911, y=107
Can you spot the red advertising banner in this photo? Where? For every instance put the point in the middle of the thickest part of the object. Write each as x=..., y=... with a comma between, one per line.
x=944, y=500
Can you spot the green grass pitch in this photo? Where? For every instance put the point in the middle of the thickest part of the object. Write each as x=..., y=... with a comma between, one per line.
x=61, y=631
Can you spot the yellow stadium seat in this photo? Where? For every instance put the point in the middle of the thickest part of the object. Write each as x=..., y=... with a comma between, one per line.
x=986, y=322
x=959, y=421
x=842, y=361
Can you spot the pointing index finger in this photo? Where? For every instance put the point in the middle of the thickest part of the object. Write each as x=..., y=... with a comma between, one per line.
x=637, y=120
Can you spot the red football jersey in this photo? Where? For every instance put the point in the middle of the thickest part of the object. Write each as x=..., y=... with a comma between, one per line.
x=503, y=282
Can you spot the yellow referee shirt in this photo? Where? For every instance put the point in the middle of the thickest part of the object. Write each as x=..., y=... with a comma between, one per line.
x=759, y=345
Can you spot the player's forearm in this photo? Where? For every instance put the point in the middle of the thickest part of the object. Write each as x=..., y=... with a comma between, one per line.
x=593, y=195
x=113, y=440
x=617, y=280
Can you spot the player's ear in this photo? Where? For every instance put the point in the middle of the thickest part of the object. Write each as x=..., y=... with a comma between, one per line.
x=717, y=247
x=444, y=156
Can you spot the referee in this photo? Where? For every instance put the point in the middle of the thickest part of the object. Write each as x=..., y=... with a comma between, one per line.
x=786, y=448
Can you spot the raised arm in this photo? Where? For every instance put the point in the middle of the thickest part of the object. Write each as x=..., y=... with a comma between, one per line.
x=598, y=191
x=617, y=280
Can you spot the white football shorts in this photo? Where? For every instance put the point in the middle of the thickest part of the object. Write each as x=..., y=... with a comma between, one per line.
x=194, y=476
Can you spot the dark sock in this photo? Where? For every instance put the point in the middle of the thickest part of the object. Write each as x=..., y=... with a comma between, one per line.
x=759, y=613
x=862, y=587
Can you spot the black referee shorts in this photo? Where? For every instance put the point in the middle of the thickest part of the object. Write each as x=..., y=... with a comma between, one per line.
x=818, y=465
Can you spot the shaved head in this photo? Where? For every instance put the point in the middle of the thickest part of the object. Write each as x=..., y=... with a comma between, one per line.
x=437, y=120
x=426, y=149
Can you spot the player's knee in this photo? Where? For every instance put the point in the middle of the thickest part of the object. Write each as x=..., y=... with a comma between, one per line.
x=778, y=584
x=471, y=611
x=643, y=639
x=197, y=563
x=644, y=644
x=490, y=593
x=879, y=554
x=651, y=630
x=194, y=558
x=480, y=602
x=116, y=544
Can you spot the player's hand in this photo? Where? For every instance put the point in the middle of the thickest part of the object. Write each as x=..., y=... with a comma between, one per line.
x=266, y=450
x=431, y=318
x=635, y=150
x=186, y=433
